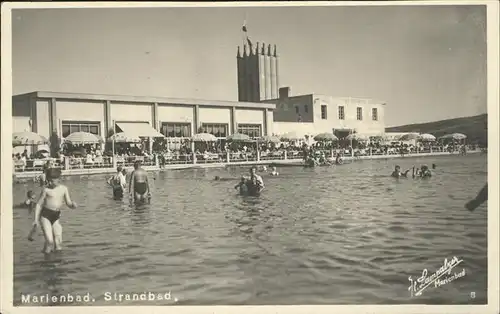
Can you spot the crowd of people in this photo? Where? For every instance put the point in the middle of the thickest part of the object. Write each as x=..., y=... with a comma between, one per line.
x=97, y=156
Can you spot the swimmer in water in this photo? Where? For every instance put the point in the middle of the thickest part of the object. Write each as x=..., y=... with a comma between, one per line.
x=29, y=203
x=118, y=182
x=255, y=184
x=425, y=172
x=274, y=172
x=434, y=166
x=481, y=197
x=398, y=174
x=217, y=178
x=48, y=211
x=139, y=184
x=242, y=186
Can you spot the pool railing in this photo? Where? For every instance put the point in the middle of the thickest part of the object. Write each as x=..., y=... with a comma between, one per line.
x=108, y=163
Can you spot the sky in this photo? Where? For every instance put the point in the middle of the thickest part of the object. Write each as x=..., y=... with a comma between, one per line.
x=427, y=63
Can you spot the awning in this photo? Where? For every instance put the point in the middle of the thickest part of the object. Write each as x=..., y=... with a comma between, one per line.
x=138, y=129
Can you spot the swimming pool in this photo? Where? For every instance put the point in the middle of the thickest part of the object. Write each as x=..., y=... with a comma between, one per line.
x=342, y=235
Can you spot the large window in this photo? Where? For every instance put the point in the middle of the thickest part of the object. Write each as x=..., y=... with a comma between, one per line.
x=359, y=113
x=252, y=130
x=341, y=113
x=218, y=130
x=374, y=114
x=297, y=109
x=176, y=129
x=306, y=108
x=69, y=127
x=323, y=112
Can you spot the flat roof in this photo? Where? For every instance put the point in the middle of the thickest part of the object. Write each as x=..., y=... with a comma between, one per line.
x=365, y=100
x=148, y=99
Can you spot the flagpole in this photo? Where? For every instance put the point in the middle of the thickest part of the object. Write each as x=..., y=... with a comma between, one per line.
x=113, y=143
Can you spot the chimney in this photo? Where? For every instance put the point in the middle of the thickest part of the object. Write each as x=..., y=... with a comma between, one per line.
x=284, y=92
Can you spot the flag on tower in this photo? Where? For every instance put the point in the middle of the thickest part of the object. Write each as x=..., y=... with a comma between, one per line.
x=244, y=29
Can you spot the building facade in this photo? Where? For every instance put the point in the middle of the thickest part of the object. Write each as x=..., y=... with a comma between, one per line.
x=65, y=113
x=314, y=113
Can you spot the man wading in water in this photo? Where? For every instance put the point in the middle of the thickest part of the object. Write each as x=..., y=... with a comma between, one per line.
x=139, y=184
x=255, y=184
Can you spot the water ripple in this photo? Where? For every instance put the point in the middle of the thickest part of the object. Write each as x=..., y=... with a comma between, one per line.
x=339, y=235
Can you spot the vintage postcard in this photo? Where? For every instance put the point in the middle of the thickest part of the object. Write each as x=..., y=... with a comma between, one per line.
x=253, y=157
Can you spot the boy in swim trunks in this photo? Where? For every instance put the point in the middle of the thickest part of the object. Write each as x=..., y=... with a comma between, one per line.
x=48, y=210
x=139, y=184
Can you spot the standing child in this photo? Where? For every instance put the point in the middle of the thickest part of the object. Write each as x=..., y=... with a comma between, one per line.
x=48, y=210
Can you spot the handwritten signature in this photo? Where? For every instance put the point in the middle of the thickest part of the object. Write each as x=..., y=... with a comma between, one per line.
x=418, y=285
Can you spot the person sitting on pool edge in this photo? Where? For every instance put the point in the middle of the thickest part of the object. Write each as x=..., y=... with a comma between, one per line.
x=139, y=185
x=397, y=172
x=255, y=184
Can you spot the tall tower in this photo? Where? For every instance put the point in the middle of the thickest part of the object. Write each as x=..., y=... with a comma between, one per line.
x=258, y=76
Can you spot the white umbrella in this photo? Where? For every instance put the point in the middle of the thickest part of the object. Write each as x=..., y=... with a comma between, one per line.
x=238, y=137
x=83, y=138
x=427, y=137
x=325, y=137
x=270, y=139
x=409, y=137
x=290, y=136
x=204, y=137
x=357, y=137
x=27, y=138
x=455, y=136
x=123, y=137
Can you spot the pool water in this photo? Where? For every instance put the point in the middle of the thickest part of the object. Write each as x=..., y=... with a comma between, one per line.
x=343, y=235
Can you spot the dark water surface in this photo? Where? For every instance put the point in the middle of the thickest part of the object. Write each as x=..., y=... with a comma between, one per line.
x=342, y=235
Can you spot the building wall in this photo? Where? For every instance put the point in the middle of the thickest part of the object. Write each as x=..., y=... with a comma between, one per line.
x=250, y=116
x=365, y=126
x=21, y=124
x=172, y=113
x=270, y=122
x=42, y=117
x=215, y=115
x=301, y=129
x=21, y=114
x=132, y=112
x=286, y=109
x=73, y=110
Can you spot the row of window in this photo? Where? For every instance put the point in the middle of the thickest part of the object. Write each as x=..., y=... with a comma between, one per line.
x=341, y=113
x=168, y=129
